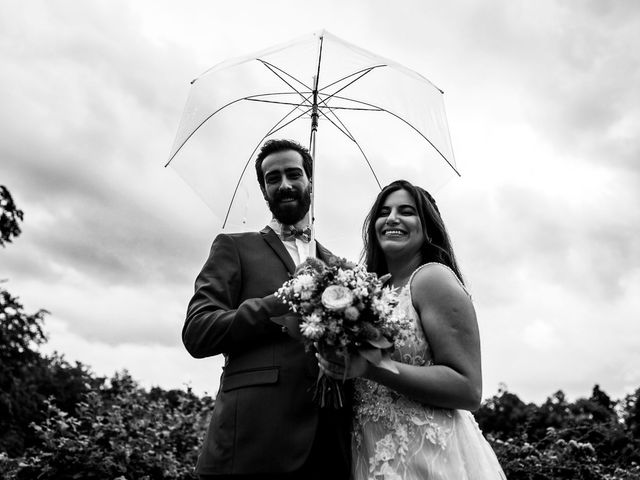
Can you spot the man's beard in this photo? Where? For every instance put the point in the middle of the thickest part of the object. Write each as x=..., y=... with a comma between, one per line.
x=290, y=214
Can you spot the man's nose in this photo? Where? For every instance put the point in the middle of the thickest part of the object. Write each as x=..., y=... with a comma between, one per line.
x=285, y=184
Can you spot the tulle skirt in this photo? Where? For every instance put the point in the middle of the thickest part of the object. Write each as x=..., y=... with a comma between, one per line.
x=443, y=445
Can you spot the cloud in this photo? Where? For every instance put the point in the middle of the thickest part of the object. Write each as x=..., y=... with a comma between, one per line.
x=540, y=336
x=555, y=340
x=86, y=103
x=543, y=109
x=82, y=154
x=150, y=364
x=586, y=100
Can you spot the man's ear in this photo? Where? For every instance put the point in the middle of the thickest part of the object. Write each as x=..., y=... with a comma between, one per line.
x=264, y=193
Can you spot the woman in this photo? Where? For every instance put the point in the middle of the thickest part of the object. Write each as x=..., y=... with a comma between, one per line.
x=416, y=424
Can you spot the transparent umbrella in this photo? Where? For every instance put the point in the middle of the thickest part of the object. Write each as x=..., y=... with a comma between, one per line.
x=367, y=121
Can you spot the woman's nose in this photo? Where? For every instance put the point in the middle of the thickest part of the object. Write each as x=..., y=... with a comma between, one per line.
x=392, y=217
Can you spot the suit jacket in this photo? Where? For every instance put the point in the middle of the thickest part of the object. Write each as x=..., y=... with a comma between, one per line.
x=264, y=419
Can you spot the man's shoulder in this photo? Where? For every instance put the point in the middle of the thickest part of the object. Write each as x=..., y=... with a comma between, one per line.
x=240, y=237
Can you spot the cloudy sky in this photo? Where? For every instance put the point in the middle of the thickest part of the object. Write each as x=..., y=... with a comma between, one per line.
x=544, y=110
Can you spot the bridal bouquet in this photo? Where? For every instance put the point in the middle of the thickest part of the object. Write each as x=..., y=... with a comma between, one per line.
x=344, y=310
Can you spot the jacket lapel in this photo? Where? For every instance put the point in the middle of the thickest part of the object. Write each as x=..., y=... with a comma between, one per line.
x=278, y=247
x=323, y=253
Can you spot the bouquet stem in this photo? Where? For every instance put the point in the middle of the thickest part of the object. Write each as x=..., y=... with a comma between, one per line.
x=329, y=392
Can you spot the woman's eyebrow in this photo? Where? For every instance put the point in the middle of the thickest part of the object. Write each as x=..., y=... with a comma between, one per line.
x=404, y=205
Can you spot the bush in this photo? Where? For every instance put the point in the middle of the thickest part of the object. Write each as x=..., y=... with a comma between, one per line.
x=584, y=440
x=118, y=431
x=59, y=421
x=10, y=217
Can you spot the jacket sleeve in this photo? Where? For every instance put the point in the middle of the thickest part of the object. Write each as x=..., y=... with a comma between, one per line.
x=215, y=322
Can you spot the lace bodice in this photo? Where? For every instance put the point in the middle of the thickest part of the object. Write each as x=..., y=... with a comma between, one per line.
x=376, y=403
x=396, y=438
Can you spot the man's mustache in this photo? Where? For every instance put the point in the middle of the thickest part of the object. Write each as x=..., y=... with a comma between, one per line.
x=287, y=193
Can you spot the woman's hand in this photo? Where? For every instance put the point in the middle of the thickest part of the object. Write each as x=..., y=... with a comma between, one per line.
x=342, y=368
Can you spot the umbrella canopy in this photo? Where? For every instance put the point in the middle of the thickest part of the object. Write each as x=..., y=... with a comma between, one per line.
x=367, y=121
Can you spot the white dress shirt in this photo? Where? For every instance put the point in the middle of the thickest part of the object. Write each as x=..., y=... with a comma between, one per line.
x=298, y=250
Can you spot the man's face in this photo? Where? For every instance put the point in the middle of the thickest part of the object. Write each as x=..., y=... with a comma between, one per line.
x=287, y=188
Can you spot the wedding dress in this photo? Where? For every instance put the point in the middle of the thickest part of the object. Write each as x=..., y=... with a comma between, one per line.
x=396, y=438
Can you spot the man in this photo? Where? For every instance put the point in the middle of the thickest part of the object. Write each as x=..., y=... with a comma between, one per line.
x=265, y=424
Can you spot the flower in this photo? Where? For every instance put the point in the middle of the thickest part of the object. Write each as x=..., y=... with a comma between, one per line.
x=311, y=330
x=344, y=276
x=336, y=297
x=381, y=306
x=306, y=295
x=342, y=308
x=304, y=282
x=351, y=313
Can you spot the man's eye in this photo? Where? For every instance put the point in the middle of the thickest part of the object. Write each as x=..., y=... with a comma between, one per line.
x=272, y=179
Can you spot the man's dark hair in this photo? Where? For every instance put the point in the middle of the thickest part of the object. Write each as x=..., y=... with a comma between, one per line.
x=280, y=145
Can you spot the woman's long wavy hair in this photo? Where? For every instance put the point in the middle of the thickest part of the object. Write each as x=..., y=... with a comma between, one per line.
x=437, y=246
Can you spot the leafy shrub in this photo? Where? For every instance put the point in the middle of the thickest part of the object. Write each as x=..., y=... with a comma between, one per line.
x=27, y=378
x=583, y=440
x=10, y=217
x=59, y=421
x=118, y=431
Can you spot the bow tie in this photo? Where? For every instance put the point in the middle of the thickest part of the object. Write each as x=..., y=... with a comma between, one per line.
x=291, y=233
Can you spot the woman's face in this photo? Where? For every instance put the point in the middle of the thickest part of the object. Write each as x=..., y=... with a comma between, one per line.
x=398, y=227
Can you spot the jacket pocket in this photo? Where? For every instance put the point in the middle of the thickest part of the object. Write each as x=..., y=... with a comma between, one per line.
x=249, y=378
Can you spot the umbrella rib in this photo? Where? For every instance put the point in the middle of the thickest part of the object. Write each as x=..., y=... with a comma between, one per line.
x=271, y=131
x=198, y=128
x=274, y=129
x=296, y=106
x=235, y=190
x=273, y=68
x=381, y=109
x=345, y=131
x=254, y=98
x=284, y=103
x=249, y=98
x=360, y=73
x=352, y=109
x=261, y=97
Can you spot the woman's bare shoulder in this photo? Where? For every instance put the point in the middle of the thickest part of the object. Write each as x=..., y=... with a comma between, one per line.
x=436, y=282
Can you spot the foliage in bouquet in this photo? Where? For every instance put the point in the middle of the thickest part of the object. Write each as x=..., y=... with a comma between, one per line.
x=344, y=310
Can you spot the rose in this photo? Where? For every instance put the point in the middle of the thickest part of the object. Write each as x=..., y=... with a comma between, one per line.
x=336, y=297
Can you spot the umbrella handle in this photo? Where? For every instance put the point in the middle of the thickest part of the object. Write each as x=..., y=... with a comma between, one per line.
x=312, y=148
